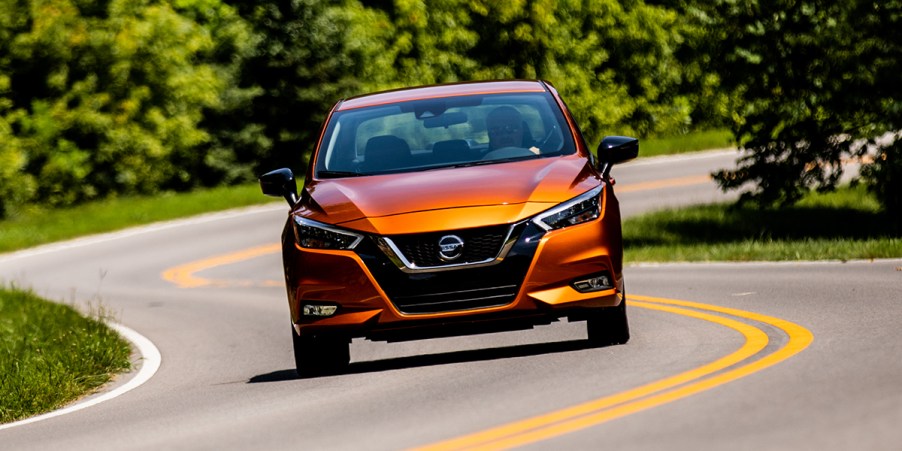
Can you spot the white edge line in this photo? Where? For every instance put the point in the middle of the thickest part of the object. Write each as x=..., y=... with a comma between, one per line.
x=150, y=357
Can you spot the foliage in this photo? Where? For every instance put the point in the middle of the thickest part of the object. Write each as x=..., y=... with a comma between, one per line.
x=103, y=98
x=310, y=54
x=613, y=61
x=815, y=83
x=99, y=98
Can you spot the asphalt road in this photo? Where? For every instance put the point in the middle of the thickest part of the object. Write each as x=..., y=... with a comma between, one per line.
x=759, y=356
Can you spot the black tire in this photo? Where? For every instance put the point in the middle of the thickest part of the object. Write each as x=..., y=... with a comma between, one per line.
x=609, y=326
x=315, y=355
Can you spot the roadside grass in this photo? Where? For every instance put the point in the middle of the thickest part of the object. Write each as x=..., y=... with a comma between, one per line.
x=842, y=225
x=50, y=354
x=690, y=142
x=41, y=226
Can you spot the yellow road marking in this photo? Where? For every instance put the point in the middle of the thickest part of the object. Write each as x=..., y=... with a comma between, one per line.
x=670, y=389
x=667, y=183
x=184, y=275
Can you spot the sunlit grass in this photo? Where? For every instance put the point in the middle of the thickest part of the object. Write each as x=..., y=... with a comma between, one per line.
x=843, y=225
x=44, y=226
x=690, y=142
x=50, y=354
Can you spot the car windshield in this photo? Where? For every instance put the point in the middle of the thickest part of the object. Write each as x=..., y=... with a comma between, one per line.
x=443, y=132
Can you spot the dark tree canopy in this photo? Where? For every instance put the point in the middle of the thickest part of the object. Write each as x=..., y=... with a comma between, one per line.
x=814, y=84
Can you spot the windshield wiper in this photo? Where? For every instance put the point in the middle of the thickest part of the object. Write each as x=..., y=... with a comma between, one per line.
x=467, y=164
x=498, y=160
x=336, y=174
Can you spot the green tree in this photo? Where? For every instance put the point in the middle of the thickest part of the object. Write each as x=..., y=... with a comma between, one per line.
x=815, y=83
x=310, y=54
x=614, y=61
x=99, y=98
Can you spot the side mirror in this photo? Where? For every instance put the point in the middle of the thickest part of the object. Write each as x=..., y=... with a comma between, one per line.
x=280, y=183
x=616, y=149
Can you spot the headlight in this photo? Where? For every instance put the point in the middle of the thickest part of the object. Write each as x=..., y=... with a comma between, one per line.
x=583, y=208
x=316, y=235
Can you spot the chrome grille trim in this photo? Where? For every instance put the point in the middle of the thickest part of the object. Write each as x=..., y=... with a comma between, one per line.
x=397, y=257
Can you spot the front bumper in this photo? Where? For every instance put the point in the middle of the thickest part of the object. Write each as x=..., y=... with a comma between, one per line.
x=533, y=285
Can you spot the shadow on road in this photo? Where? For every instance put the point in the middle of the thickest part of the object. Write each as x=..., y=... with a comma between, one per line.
x=440, y=359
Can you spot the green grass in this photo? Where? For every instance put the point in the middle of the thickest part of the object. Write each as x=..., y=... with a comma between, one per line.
x=843, y=225
x=50, y=354
x=690, y=142
x=45, y=226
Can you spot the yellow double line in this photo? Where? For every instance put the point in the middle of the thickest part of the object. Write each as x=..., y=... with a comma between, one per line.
x=749, y=358
x=726, y=369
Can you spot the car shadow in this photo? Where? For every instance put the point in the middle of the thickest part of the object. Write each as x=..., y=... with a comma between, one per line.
x=444, y=358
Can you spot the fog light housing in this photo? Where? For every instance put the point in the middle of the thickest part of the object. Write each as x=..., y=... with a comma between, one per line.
x=321, y=310
x=595, y=282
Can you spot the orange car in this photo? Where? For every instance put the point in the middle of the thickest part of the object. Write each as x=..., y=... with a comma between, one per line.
x=447, y=210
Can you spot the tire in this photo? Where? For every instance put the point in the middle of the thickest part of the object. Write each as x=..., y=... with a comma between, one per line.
x=317, y=355
x=609, y=326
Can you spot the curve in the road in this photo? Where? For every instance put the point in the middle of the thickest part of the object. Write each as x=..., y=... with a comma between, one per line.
x=749, y=358
x=742, y=362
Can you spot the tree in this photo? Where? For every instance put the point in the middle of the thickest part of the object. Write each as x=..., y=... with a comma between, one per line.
x=310, y=54
x=101, y=98
x=613, y=60
x=815, y=83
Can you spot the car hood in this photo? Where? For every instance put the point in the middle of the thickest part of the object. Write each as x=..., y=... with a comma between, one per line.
x=449, y=198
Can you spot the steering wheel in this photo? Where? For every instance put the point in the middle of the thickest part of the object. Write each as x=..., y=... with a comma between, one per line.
x=543, y=144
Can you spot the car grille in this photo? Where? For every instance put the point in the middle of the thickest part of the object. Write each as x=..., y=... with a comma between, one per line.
x=466, y=287
x=480, y=245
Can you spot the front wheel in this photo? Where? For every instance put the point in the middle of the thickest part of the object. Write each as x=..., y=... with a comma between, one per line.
x=317, y=355
x=609, y=326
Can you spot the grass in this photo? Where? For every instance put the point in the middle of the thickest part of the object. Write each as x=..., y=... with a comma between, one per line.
x=51, y=355
x=843, y=225
x=45, y=226
x=690, y=142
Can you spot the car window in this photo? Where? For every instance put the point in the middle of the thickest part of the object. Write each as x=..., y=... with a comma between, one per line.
x=438, y=133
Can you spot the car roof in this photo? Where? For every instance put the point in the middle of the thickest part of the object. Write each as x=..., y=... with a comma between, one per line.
x=438, y=91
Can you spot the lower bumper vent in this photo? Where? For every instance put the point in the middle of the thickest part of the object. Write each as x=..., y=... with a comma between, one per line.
x=457, y=300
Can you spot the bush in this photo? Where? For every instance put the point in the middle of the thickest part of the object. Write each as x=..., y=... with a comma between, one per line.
x=109, y=97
